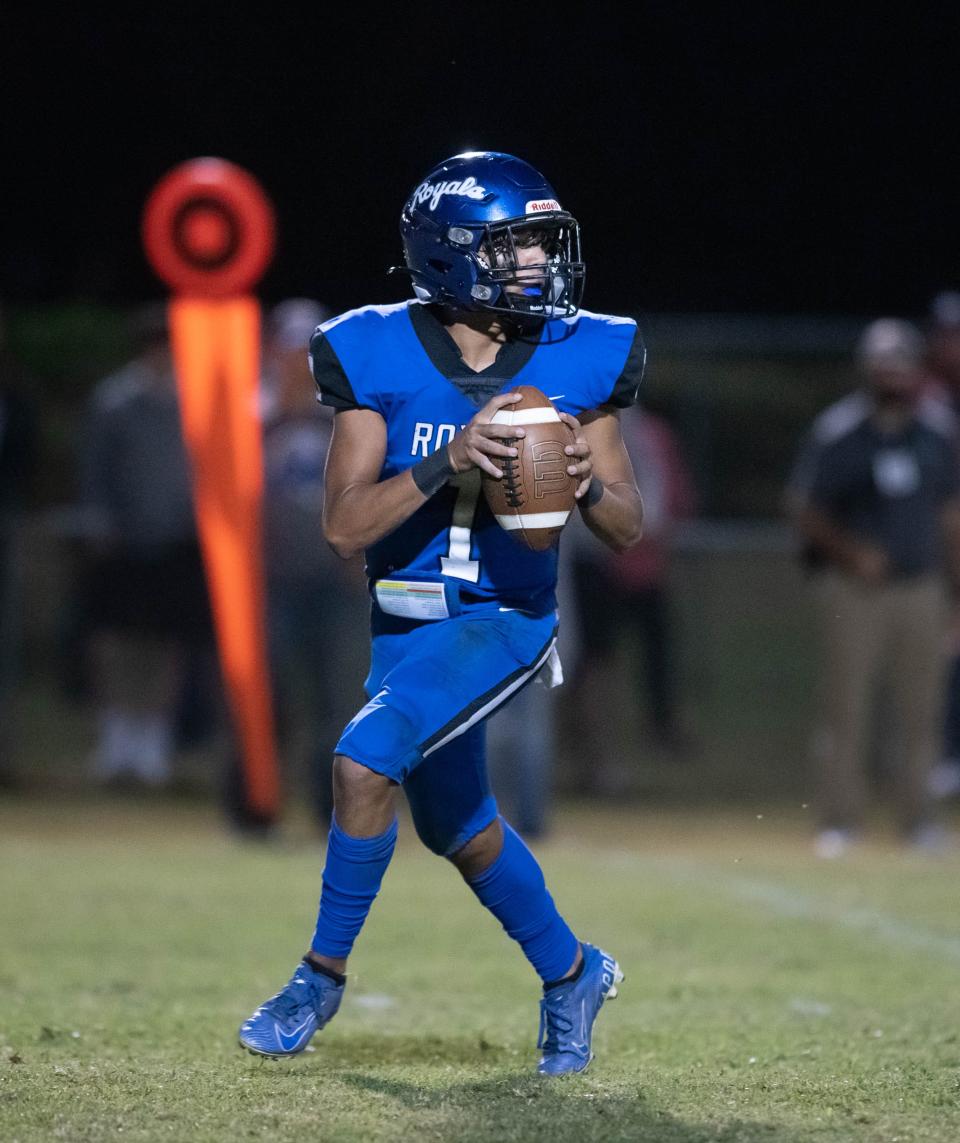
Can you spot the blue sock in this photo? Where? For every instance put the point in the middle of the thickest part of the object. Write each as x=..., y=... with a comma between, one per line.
x=351, y=879
x=513, y=890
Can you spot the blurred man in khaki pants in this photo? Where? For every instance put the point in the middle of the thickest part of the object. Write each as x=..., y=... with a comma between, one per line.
x=875, y=497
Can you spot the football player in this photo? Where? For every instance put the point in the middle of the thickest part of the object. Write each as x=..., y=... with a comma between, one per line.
x=462, y=615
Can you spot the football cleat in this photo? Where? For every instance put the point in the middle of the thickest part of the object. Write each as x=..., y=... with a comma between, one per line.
x=284, y=1024
x=568, y=1010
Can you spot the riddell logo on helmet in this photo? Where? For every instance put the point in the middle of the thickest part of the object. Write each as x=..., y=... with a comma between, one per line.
x=431, y=193
x=541, y=204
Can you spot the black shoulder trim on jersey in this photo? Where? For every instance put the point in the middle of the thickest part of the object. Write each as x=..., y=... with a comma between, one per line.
x=333, y=384
x=626, y=389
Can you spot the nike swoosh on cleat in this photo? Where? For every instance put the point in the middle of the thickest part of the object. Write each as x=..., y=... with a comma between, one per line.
x=298, y=1035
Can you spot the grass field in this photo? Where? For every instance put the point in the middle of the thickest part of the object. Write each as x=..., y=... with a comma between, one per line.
x=768, y=996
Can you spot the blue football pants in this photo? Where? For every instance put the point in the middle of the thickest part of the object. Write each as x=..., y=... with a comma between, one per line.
x=431, y=688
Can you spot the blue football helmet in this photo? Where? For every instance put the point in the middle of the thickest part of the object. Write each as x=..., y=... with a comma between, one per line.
x=462, y=228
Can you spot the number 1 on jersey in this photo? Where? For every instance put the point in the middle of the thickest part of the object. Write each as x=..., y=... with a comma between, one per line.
x=457, y=562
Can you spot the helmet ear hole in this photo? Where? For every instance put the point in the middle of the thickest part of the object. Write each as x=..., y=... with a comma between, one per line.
x=439, y=265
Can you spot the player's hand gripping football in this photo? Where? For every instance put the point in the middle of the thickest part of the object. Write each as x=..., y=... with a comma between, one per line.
x=479, y=440
x=581, y=457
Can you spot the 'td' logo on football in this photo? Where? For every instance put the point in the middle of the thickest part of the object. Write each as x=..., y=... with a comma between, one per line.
x=549, y=468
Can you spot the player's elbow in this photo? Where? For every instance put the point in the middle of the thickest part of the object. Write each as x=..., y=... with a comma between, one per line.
x=627, y=539
x=620, y=529
x=342, y=538
x=345, y=546
x=340, y=529
x=630, y=530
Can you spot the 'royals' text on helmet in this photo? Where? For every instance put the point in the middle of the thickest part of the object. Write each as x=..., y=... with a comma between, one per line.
x=464, y=225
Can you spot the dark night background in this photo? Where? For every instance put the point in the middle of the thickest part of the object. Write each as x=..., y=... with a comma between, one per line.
x=729, y=158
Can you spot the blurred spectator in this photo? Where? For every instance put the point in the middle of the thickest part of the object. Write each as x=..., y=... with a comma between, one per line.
x=18, y=463
x=525, y=737
x=640, y=577
x=145, y=589
x=943, y=362
x=520, y=748
x=629, y=594
x=875, y=497
x=316, y=602
x=943, y=345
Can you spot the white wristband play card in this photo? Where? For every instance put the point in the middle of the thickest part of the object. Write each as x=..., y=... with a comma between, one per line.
x=411, y=599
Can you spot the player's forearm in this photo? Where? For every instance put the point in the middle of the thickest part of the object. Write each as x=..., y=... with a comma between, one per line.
x=360, y=514
x=614, y=513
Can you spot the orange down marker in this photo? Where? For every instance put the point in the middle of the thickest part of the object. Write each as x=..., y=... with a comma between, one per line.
x=208, y=232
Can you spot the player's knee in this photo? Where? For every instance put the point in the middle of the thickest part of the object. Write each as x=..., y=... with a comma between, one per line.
x=384, y=737
x=439, y=835
x=436, y=840
x=355, y=785
x=480, y=852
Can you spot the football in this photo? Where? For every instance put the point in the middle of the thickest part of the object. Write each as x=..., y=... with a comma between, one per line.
x=536, y=495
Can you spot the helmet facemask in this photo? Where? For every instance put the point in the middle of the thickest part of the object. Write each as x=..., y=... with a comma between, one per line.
x=507, y=282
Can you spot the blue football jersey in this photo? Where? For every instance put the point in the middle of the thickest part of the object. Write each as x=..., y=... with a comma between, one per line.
x=400, y=361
